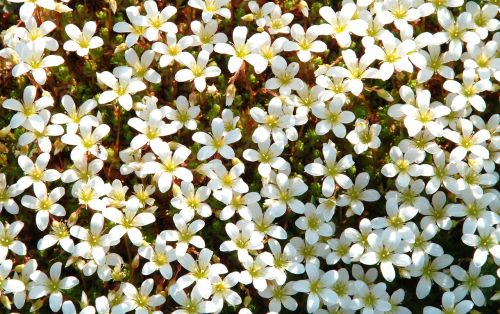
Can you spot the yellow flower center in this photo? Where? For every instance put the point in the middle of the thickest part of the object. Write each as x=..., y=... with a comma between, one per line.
x=45, y=204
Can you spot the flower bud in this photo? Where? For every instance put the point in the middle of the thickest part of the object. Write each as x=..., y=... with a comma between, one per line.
x=230, y=93
x=248, y=18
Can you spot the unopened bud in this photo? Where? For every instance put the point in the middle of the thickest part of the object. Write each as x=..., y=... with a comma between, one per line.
x=58, y=146
x=6, y=302
x=248, y=18
x=73, y=218
x=211, y=89
x=36, y=305
x=19, y=268
x=385, y=95
x=230, y=93
x=304, y=8
x=235, y=161
x=176, y=190
x=120, y=48
x=135, y=262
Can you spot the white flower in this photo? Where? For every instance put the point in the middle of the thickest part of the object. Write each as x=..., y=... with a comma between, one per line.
x=405, y=166
x=185, y=235
x=43, y=285
x=260, y=13
x=192, y=305
x=190, y=200
x=28, y=111
x=283, y=193
x=135, y=30
x=225, y=183
x=141, y=67
x=139, y=300
x=87, y=142
x=313, y=224
x=31, y=32
x=243, y=50
x=384, y=251
x=396, y=226
x=318, y=287
x=485, y=243
x=438, y=216
x=308, y=253
x=264, y=223
x=33, y=60
x=205, y=35
x=82, y=41
x=467, y=92
x=267, y=156
x=356, y=194
x=45, y=205
x=435, y=63
x=156, y=21
x=333, y=117
x=455, y=31
x=75, y=116
x=429, y=271
x=364, y=136
x=8, y=285
x=482, y=59
x=430, y=7
x=217, y=142
x=259, y=271
x=41, y=135
x=332, y=170
x=169, y=166
x=243, y=238
x=197, y=70
x=278, y=22
x=222, y=290
x=59, y=234
x=184, y=115
x=28, y=7
x=467, y=141
x=451, y=304
x=271, y=123
x=128, y=222
x=356, y=70
x=201, y=272
x=280, y=295
x=94, y=244
x=341, y=23
x=8, y=234
x=372, y=299
x=400, y=12
x=443, y=174
x=159, y=258
x=24, y=276
x=151, y=130
x=285, y=78
x=423, y=114
x=36, y=173
x=7, y=194
x=483, y=17
x=284, y=260
x=471, y=283
x=173, y=49
x=305, y=42
x=240, y=203
x=211, y=8
x=394, y=56
x=122, y=87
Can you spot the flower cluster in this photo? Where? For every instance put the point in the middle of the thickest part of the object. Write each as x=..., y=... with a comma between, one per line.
x=249, y=156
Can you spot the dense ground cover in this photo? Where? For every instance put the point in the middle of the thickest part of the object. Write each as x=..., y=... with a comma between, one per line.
x=243, y=156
